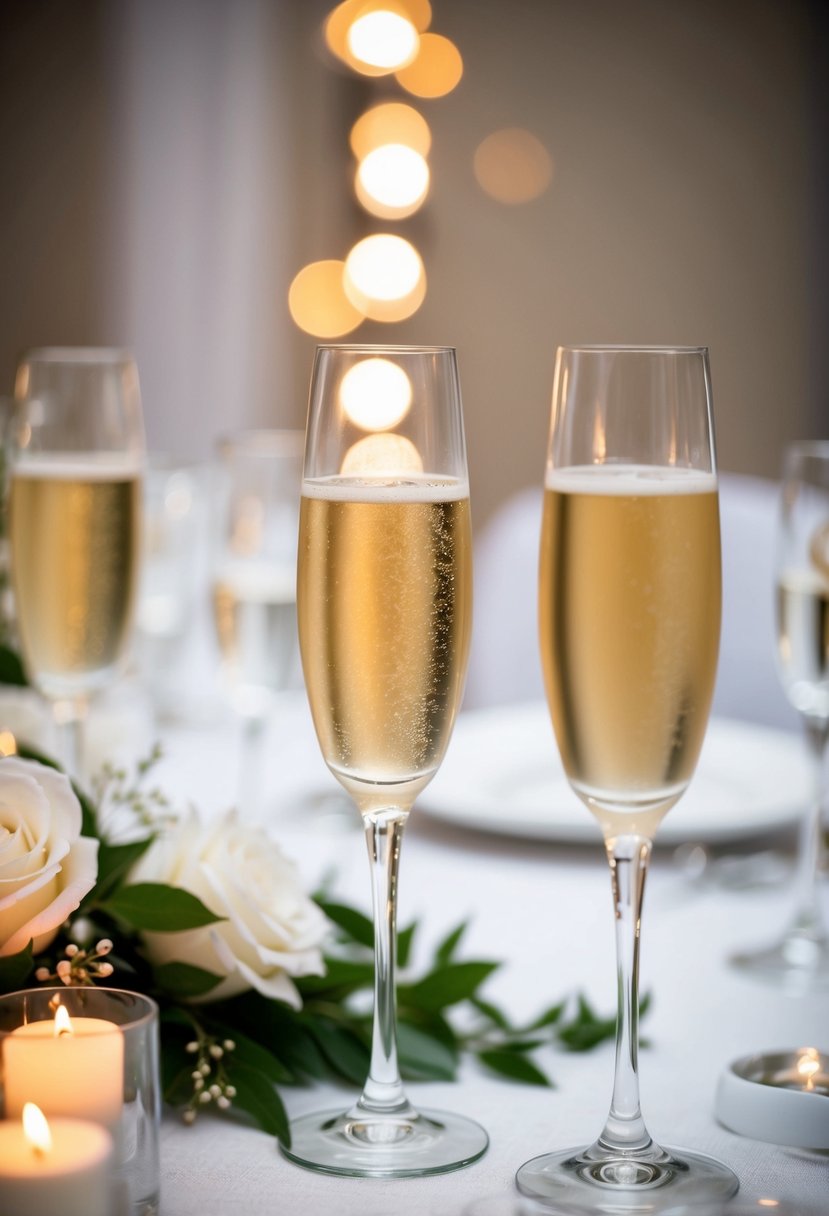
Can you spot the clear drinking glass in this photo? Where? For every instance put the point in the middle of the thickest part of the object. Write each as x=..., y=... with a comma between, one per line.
x=384, y=608
x=801, y=957
x=629, y=610
x=253, y=583
x=75, y=524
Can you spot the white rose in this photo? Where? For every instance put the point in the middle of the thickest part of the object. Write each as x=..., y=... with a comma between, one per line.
x=271, y=930
x=46, y=866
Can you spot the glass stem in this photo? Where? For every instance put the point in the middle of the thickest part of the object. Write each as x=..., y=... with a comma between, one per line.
x=383, y=1091
x=808, y=920
x=70, y=716
x=625, y=1128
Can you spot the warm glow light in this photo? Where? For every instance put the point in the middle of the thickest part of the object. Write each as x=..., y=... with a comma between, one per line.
x=393, y=122
x=8, y=743
x=819, y=549
x=36, y=1129
x=384, y=276
x=382, y=456
x=435, y=71
x=392, y=181
x=339, y=22
x=808, y=1065
x=383, y=39
x=63, y=1022
x=512, y=166
x=318, y=303
x=375, y=394
x=768, y=1203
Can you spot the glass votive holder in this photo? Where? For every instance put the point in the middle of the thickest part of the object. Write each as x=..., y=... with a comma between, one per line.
x=91, y=1054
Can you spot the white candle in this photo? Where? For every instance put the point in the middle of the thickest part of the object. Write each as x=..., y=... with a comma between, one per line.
x=67, y=1067
x=65, y=1172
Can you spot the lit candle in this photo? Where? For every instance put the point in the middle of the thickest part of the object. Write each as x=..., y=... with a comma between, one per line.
x=72, y=1067
x=55, y=1168
x=806, y=1074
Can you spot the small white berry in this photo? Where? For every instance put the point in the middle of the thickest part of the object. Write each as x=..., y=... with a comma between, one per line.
x=215, y=1090
x=42, y=974
x=198, y=1081
x=230, y=1090
x=229, y=1045
x=71, y=950
x=205, y=1069
x=105, y=969
x=216, y=1051
x=104, y=946
x=222, y=1102
x=192, y=1047
x=205, y=1096
x=64, y=968
x=189, y=1116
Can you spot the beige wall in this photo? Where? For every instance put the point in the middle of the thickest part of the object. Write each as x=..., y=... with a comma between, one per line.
x=684, y=207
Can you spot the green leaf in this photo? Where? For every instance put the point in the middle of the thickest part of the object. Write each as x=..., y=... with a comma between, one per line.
x=11, y=668
x=446, y=985
x=345, y=1053
x=492, y=1013
x=277, y=1028
x=183, y=981
x=357, y=926
x=114, y=861
x=342, y=976
x=513, y=1065
x=15, y=969
x=549, y=1017
x=253, y=1055
x=257, y=1095
x=448, y=947
x=404, y=944
x=422, y=1056
x=157, y=908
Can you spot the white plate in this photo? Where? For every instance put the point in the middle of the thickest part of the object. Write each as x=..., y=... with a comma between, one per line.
x=502, y=774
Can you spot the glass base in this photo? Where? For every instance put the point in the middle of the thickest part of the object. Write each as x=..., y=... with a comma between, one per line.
x=635, y=1183
x=363, y=1145
x=800, y=961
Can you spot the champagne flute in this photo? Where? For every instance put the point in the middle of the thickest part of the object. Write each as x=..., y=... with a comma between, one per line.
x=75, y=525
x=629, y=610
x=254, y=584
x=801, y=957
x=384, y=608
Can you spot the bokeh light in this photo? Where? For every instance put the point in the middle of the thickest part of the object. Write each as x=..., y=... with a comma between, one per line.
x=341, y=19
x=375, y=394
x=384, y=277
x=392, y=122
x=513, y=166
x=383, y=39
x=318, y=303
x=436, y=69
x=392, y=181
x=382, y=456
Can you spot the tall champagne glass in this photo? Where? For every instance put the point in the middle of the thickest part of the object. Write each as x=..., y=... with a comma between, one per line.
x=384, y=608
x=801, y=957
x=254, y=583
x=629, y=625
x=74, y=524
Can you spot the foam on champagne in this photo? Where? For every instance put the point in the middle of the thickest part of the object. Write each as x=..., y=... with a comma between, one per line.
x=79, y=466
x=630, y=479
x=418, y=487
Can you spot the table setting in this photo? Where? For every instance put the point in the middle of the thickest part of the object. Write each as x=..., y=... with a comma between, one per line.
x=205, y=1007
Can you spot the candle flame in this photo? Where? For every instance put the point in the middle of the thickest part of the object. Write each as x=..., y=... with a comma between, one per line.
x=8, y=743
x=808, y=1065
x=36, y=1129
x=63, y=1023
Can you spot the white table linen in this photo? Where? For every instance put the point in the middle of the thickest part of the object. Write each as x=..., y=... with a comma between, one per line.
x=545, y=911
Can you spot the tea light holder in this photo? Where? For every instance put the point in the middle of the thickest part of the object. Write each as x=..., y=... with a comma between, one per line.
x=780, y=1096
x=97, y=1060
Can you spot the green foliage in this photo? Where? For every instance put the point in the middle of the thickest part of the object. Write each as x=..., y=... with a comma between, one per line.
x=232, y=1054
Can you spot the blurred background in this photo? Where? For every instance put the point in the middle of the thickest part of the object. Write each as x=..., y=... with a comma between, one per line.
x=651, y=171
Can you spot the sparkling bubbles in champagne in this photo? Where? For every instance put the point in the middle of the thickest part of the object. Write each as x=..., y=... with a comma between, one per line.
x=629, y=620
x=384, y=607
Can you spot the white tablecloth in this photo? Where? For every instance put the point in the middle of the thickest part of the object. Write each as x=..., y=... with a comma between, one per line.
x=545, y=911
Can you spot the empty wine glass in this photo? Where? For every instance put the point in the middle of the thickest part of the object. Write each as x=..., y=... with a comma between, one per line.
x=384, y=605
x=254, y=584
x=801, y=956
x=629, y=609
x=75, y=524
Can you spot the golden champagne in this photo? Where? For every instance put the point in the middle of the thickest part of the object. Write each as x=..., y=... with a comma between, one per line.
x=630, y=592
x=74, y=526
x=384, y=599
